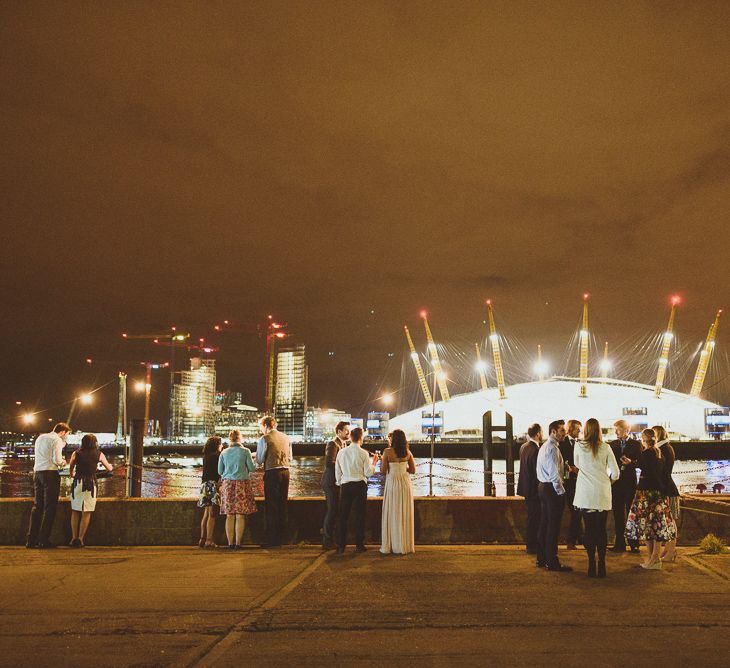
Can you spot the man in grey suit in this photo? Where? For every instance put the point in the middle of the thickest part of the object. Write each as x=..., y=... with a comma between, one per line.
x=331, y=491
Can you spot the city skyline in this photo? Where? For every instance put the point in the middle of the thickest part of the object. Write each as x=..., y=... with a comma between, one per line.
x=344, y=167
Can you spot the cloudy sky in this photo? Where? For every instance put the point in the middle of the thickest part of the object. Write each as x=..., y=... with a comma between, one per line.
x=343, y=165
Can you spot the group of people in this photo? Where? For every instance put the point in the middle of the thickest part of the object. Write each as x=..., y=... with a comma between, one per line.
x=227, y=488
x=631, y=478
x=49, y=461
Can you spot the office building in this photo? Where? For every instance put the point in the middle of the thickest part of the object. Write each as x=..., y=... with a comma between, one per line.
x=290, y=397
x=319, y=423
x=193, y=401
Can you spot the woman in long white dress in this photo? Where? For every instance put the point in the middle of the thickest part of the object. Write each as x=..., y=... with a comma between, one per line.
x=397, y=465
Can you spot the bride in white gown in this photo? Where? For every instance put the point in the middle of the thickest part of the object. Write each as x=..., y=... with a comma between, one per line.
x=397, y=464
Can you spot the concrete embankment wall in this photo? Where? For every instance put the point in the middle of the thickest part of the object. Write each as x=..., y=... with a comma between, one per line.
x=438, y=520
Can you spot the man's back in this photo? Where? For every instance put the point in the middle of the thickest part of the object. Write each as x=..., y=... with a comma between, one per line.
x=47, y=450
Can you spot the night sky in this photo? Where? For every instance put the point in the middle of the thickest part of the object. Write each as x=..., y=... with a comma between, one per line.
x=343, y=165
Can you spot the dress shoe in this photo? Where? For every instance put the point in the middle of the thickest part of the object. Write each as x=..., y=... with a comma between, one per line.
x=31, y=546
x=75, y=543
x=540, y=564
x=618, y=548
x=361, y=548
x=46, y=546
x=559, y=568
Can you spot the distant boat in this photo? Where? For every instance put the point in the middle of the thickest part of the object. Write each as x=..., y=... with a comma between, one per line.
x=160, y=462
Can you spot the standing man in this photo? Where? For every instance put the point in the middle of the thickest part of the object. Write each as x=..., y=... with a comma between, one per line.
x=527, y=485
x=550, y=469
x=567, y=446
x=331, y=491
x=274, y=452
x=627, y=451
x=47, y=484
x=353, y=467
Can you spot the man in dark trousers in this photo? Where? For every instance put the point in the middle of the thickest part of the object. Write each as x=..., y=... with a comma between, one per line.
x=567, y=446
x=331, y=491
x=627, y=451
x=527, y=485
x=353, y=467
x=550, y=471
x=49, y=459
x=274, y=451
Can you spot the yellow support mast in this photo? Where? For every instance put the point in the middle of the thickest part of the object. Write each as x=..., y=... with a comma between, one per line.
x=435, y=361
x=605, y=364
x=419, y=369
x=481, y=367
x=705, y=357
x=664, y=357
x=584, y=350
x=496, y=353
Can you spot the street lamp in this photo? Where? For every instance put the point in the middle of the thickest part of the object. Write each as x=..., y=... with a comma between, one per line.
x=86, y=399
x=28, y=418
x=387, y=399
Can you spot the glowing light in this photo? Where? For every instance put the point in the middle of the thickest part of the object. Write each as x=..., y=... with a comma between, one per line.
x=124, y=336
x=668, y=336
x=225, y=322
x=86, y=399
x=584, y=333
x=541, y=368
x=442, y=376
x=280, y=335
x=606, y=365
x=675, y=300
x=424, y=314
x=481, y=366
x=17, y=403
x=197, y=410
x=28, y=418
x=217, y=328
x=388, y=399
x=494, y=337
x=179, y=337
x=585, y=295
x=89, y=360
x=139, y=386
x=488, y=302
x=414, y=356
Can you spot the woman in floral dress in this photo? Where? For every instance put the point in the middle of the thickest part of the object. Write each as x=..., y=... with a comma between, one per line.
x=650, y=518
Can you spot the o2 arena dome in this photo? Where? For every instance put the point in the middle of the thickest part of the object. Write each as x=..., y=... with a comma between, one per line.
x=684, y=416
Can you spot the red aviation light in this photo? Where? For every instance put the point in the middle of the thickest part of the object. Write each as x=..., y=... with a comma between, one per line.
x=488, y=302
x=225, y=322
x=585, y=295
x=424, y=314
x=675, y=300
x=89, y=360
x=280, y=335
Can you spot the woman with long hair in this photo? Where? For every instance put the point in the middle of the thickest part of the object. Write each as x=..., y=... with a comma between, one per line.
x=209, y=498
x=82, y=468
x=597, y=470
x=662, y=442
x=650, y=518
x=397, y=531
x=235, y=465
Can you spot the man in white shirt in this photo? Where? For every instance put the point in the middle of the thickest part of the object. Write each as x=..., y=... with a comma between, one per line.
x=550, y=472
x=353, y=467
x=49, y=459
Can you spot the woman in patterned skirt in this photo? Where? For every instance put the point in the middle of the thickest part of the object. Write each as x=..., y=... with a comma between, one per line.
x=237, y=500
x=650, y=518
x=662, y=442
x=209, y=498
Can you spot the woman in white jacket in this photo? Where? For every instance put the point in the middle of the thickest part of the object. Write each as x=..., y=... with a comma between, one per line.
x=597, y=470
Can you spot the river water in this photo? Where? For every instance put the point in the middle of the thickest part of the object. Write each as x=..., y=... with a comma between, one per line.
x=451, y=477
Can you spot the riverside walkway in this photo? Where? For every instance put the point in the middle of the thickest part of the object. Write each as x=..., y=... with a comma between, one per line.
x=297, y=606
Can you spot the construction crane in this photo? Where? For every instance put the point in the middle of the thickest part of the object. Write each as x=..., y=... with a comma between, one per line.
x=419, y=369
x=584, y=350
x=705, y=357
x=481, y=368
x=666, y=344
x=496, y=353
x=435, y=361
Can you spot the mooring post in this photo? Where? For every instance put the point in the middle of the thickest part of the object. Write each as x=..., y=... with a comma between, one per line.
x=509, y=455
x=487, y=451
x=135, y=455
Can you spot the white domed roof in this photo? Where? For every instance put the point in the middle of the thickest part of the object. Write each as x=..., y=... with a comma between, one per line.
x=608, y=400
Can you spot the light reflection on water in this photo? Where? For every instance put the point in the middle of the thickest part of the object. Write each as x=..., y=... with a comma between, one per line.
x=452, y=477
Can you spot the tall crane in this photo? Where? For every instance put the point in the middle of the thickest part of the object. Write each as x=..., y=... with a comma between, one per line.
x=419, y=369
x=435, y=361
x=496, y=353
x=122, y=408
x=666, y=344
x=540, y=365
x=584, y=350
x=705, y=357
x=481, y=368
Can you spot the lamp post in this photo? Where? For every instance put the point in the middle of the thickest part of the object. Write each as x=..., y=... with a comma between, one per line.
x=437, y=376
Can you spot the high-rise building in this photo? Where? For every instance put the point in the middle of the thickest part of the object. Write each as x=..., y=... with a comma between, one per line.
x=193, y=401
x=319, y=423
x=290, y=399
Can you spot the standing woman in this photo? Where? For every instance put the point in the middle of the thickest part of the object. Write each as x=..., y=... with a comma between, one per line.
x=397, y=533
x=235, y=465
x=82, y=468
x=597, y=470
x=650, y=518
x=209, y=498
x=662, y=442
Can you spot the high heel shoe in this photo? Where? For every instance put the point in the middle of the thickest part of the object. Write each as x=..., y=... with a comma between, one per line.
x=657, y=566
x=669, y=560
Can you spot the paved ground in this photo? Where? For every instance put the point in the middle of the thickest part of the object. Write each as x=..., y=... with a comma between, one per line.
x=459, y=605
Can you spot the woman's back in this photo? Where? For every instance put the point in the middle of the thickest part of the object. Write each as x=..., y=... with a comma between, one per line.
x=397, y=527
x=235, y=463
x=595, y=472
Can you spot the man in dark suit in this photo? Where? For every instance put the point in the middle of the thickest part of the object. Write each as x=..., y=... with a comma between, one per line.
x=627, y=451
x=567, y=446
x=527, y=485
x=331, y=491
